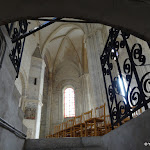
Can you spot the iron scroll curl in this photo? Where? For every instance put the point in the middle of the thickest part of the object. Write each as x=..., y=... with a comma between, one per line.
x=136, y=87
x=17, y=51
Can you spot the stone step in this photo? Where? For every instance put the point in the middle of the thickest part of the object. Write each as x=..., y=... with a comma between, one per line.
x=130, y=136
x=82, y=148
x=85, y=143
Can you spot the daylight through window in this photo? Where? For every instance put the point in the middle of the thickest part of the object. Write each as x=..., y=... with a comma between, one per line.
x=69, y=103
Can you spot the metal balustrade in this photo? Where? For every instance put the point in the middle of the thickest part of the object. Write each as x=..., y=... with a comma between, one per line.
x=125, y=78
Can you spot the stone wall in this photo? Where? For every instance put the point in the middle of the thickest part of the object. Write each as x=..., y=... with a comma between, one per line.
x=69, y=69
x=9, y=98
x=66, y=76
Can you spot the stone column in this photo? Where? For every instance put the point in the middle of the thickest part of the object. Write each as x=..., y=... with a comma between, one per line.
x=23, y=103
x=49, y=104
x=95, y=45
x=86, y=92
x=33, y=103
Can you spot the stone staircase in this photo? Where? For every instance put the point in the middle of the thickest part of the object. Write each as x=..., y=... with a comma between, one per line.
x=130, y=136
x=85, y=143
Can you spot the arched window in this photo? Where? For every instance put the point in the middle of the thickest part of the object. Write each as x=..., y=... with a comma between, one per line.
x=69, y=102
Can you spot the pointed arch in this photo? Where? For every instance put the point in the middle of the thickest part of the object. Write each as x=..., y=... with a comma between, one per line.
x=49, y=38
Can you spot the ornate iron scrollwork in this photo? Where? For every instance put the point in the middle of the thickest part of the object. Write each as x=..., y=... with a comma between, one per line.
x=126, y=90
x=2, y=47
x=17, y=51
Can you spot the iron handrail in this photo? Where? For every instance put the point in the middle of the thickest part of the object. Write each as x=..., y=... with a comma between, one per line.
x=12, y=129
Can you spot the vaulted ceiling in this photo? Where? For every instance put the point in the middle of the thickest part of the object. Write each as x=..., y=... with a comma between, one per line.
x=62, y=42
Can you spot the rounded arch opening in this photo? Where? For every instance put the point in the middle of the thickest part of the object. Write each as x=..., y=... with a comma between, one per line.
x=68, y=101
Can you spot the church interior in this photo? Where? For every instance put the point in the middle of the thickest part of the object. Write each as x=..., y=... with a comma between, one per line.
x=69, y=83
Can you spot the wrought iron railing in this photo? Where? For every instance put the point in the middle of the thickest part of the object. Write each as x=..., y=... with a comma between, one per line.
x=15, y=30
x=2, y=47
x=18, y=32
x=126, y=79
x=12, y=129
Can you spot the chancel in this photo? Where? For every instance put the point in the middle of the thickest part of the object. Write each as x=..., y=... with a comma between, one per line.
x=69, y=83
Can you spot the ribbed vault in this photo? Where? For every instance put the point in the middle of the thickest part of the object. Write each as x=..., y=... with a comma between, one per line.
x=64, y=44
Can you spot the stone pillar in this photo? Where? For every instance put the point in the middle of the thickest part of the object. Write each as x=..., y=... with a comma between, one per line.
x=49, y=104
x=33, y=103
x=95, y=45
x=86, y=92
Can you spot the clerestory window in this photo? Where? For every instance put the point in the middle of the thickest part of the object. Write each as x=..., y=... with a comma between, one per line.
x=69, y=102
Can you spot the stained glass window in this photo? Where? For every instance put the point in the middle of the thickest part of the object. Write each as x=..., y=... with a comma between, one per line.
x=69, y=102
